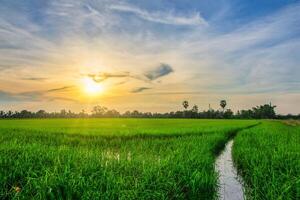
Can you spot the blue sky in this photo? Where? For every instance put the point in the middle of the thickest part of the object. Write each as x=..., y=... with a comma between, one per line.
x=149, y=55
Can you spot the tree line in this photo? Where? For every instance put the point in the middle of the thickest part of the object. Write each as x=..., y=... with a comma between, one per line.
x=266, y=111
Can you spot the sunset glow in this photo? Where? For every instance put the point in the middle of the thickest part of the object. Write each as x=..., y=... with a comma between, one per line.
x=149, y=55
x=91, y=87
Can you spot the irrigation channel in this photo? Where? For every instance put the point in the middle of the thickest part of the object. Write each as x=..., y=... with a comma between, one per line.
x=230, y=184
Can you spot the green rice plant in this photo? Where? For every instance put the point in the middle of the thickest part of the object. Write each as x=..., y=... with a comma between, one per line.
x=111, y=158
x=268, y=158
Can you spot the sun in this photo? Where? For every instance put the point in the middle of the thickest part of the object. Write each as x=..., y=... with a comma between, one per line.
x=91, y=87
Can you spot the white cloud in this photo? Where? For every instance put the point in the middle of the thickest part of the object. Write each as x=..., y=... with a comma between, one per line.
x=167, y=17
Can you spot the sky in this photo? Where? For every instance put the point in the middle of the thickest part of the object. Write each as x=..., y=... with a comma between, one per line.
x=149, y=55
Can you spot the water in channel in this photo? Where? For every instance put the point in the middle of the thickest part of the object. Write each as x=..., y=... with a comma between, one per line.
x=230, y=185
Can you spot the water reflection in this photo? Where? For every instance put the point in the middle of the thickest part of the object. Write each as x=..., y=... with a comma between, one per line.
x=230, y=186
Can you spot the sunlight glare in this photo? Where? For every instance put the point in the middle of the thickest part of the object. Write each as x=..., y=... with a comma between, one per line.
x=91, y=87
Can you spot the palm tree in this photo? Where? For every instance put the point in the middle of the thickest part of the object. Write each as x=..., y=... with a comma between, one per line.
x=195, y=109
x=223, y=104
x=185, y=104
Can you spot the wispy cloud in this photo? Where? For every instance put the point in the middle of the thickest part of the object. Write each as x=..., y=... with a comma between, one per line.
x=151, y=75
x=102, y=76
x=34, y=95
x=20, y=97
x=65, y=88
x=164, y=17
x=140, y=89
x=34, y=79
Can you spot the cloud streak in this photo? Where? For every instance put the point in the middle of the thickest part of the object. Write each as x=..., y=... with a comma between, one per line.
x=65, y=88
x=140, y=89
x=193, y=19
x=34, y=95
x=34, y=79
x=100, y=77
x=160, y=71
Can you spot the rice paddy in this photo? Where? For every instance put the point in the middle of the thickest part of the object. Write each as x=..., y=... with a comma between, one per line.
x=142, y=158
x=268, y=158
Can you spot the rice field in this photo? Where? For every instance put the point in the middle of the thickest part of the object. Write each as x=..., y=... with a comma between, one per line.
x=142, y=158
x=268, y=158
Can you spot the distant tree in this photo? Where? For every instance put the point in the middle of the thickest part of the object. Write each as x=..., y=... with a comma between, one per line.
x=2, y=114
x=265, y=111
x=41, y=113
x=136, y=113
x=223, y=104
x=245, y=114
x=185, y=104
x=228, y=114
x=63, y=113
x=148, y=114
x=82, y=114
x=112, y=113
x=9, y=114
x=99, y=111
x=127, y=114
x=195, y=109
x=25, y=114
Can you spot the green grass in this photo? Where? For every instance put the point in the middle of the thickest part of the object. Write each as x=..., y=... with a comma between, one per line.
x=268, y=157
x=111, y=158
x=124, y=127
